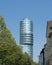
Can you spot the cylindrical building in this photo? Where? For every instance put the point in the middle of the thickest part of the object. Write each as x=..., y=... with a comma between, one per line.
x=26, y=36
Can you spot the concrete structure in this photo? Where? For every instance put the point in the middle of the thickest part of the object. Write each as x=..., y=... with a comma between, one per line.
x=48, y=45
x=48, y=48
x=26, y=36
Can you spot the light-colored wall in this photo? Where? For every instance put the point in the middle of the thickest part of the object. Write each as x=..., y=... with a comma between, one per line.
x=48, y=48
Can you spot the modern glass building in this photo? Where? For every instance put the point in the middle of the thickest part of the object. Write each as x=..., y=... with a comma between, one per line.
x=26, y=36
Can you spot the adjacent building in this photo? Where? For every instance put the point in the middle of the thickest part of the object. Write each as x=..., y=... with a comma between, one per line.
x=26, y=36
x=47, y=47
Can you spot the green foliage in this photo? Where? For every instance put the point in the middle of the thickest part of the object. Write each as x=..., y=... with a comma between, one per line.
x=5, y=35
x=10, y=52
x=25, y=60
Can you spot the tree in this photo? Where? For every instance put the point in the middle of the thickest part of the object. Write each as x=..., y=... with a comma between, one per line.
x=10, y=52
x=5, y=35
x=25, y=60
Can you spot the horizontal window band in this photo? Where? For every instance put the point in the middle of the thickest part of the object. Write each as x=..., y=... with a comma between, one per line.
x=26, y=44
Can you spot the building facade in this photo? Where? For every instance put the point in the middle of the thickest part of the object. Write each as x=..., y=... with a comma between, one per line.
x=48, y=45
x=48, y=49
x=26, y=36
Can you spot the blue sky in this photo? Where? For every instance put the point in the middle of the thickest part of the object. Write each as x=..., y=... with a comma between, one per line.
x=39, y=11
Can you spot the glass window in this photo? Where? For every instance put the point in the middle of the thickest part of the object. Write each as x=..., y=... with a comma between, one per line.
x=50, y=27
